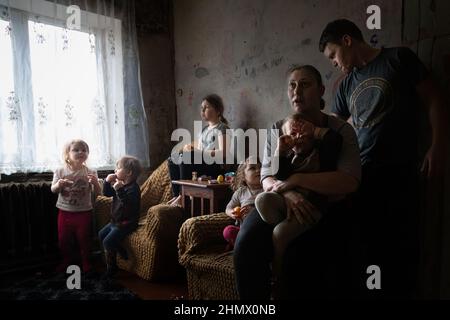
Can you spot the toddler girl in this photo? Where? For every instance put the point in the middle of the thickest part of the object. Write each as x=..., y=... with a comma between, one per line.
x=73, y=183
x=246, y=187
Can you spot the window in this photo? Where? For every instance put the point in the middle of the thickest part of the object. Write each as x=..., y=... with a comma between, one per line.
x=59, y=84
x=8, y=111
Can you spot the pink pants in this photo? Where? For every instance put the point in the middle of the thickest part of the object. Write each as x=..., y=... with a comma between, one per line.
x=230, y=234
x=74, y=225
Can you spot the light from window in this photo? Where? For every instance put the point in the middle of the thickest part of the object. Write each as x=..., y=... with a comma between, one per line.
x=56, y=85
x=9, y=111
x=65, y=88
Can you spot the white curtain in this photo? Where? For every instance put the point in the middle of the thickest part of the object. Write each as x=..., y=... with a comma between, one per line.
x=59, y=84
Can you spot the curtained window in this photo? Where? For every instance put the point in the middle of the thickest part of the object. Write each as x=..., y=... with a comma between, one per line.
x=59, y=83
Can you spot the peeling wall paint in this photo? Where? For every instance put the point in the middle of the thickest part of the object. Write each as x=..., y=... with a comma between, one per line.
x=243, y=49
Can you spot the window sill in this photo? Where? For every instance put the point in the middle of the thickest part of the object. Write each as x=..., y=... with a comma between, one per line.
x=37, y=177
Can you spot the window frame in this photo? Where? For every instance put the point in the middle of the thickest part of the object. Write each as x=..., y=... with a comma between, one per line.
x=53, y=14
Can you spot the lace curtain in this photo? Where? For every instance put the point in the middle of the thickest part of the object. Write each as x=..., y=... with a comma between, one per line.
x=60, y=83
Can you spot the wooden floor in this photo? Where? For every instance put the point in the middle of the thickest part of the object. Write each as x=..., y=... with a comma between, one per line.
x=147, y=290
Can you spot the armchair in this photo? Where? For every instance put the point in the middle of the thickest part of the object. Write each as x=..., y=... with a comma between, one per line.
x=152, y=246
x=318, y=263
x=201, y=250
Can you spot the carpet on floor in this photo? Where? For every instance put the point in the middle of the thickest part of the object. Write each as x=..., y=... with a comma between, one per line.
x=54, y=287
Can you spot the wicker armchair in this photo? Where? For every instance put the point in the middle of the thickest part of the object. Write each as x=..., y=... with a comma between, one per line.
x=153, y=246
x=201, y=250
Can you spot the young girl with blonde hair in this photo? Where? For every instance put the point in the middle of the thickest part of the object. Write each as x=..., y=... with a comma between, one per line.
x=246, y=187
x=74, y=183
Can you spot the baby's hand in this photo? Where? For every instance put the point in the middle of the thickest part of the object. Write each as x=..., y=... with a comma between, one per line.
x=285, y=142
x=119, y=184
x=307, y=128
x=111, y=178
x=64, y=183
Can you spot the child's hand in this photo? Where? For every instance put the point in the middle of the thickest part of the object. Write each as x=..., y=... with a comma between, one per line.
x=307, y=128
x=239, y=213
x=281, y=186
x=92, y=179
x=285, y=142
x=64, y=183
x=245, y=210
x=111, y=178
x=119, y=184
x=189, y=147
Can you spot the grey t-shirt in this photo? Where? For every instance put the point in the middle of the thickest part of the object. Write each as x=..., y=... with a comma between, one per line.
x=348, y=160
x=382, y=100
x=209, y=137
x=243, y=197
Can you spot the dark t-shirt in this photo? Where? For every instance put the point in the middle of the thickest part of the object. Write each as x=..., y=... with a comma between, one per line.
x=382, y=100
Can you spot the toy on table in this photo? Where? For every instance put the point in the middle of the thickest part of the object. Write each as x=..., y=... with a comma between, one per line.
x=229, y=177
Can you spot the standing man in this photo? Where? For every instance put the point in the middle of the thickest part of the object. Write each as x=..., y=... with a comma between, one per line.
x=382, y=92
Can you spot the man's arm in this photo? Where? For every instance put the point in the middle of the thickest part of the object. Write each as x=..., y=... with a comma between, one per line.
x=345, y=118
x=339, y=107
x=267, y=167
x=435, y=159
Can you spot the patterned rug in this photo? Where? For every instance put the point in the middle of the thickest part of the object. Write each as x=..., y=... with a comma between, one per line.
x=54, y=287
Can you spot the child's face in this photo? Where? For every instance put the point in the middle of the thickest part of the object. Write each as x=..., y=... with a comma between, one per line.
x=78, y=153
x=252, y=173
x=208, y=112
x=304, y=140
x=122, y=173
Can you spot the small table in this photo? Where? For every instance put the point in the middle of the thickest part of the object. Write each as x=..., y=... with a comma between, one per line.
x=216, y=193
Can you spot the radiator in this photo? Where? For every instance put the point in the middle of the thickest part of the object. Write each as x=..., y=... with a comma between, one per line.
x=28, y=225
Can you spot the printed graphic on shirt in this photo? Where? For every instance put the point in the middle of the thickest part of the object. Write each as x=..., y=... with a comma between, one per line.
x=370, y=102
x=76, y=193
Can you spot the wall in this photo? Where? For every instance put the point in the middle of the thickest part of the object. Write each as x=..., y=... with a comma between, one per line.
x=241, y=50
x=427, y=30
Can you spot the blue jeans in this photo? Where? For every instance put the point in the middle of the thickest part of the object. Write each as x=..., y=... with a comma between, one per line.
x=111, y=237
